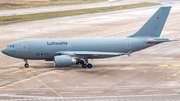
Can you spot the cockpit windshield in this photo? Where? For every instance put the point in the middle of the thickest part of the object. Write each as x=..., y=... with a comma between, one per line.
x=11, y=46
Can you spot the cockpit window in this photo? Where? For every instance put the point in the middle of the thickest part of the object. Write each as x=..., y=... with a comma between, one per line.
x=11, y=46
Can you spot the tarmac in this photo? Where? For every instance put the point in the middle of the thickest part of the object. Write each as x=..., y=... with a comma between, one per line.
x=152, y=74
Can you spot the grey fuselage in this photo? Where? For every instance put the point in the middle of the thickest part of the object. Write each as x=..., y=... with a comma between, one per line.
x=45, y=49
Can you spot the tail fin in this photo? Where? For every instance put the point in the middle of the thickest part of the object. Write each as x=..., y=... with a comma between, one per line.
x=153, y=27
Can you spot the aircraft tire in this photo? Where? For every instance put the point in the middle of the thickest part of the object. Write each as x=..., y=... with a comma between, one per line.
x=84, y=66
x=81, y=62
x=26, y=65
x=89, y=65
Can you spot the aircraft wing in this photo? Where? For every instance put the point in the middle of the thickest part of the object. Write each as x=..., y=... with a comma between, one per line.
x=90, y=53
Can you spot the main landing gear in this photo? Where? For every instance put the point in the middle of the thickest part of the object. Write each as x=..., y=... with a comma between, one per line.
x=26, y=64
x=85, y=64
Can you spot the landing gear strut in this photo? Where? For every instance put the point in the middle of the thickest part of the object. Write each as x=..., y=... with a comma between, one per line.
x=26, y=64
x=85, y=65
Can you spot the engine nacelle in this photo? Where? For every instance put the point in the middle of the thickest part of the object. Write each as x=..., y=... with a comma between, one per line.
x=63, y=61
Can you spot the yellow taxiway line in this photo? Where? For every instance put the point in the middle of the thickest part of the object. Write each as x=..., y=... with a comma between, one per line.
x=43, y=84
x=163, y=65
x=13, y=68
x=175, y=65
x=19, y=68
x=28, y=68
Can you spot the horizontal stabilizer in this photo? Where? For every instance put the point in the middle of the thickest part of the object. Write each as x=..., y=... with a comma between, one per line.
x=159, y=40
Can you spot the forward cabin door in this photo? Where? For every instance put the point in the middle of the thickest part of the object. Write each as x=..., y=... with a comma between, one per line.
x=128, y=44
x=24, y=46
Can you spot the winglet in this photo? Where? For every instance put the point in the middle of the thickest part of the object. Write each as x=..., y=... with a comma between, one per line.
x=128, y=53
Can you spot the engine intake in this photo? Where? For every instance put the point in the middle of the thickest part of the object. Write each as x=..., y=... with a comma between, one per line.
x=64, y=61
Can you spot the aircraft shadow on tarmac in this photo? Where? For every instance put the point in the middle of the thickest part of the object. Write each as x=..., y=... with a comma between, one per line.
x=96, y=66
x=99, y=66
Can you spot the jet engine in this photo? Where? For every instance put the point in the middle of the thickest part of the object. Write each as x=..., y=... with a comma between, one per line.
x=64, y=61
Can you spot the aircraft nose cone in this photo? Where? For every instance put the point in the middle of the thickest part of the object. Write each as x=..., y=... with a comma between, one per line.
x=3, y=50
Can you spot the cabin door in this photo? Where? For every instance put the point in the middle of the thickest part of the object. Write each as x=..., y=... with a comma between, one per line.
x=25, y=46
x=69, y=47
x=128, y=44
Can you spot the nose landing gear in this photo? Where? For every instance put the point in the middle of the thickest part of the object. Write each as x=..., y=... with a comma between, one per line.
x=26, y=64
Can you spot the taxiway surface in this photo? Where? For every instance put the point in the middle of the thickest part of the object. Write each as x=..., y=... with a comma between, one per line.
x=155, y=70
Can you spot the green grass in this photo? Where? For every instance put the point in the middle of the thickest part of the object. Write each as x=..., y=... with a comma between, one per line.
x=20, y=4
x=47, y=15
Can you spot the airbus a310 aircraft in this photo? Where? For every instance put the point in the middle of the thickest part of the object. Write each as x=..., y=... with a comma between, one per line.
x=65, y=52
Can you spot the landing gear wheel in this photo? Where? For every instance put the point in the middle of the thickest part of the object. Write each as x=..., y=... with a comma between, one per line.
x=26, y=65
x=81, y=62
x=89, y=65
x=84, y=66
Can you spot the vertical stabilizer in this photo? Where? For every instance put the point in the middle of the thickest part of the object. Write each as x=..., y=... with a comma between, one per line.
x=153, y=27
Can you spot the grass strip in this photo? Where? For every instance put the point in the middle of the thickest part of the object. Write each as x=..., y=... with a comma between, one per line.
x=20, y=4
x=47, y=15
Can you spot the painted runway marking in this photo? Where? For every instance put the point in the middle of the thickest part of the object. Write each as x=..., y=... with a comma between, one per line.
x=154, y=97
x=163, y=65
x=43, y=84
x=14, y=68
x=28, y=68
x=175, y=65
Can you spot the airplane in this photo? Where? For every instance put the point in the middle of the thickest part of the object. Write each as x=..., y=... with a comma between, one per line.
x=68, y=51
